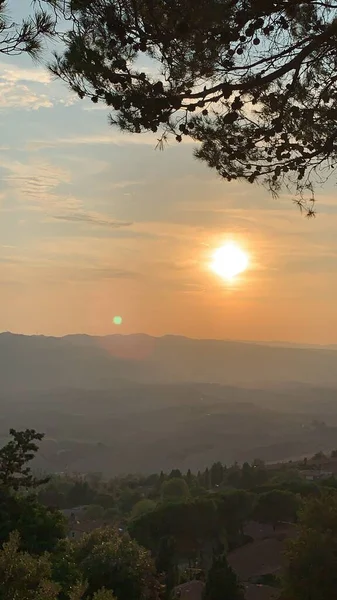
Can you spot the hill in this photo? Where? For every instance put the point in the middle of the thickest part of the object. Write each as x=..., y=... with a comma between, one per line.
x=142, y=404
x=41, y=363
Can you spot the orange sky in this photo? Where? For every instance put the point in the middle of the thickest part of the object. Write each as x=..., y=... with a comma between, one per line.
x=95, y=224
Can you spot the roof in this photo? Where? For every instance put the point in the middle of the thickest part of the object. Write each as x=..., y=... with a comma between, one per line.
x=86, y=526
x=261, y=592
x=192, y=590
x=257, y=558
x=260, y=531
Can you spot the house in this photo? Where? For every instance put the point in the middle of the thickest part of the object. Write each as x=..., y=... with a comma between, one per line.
x=76, y=529
x=78, y=525
x=316, y=475
x=76, y=512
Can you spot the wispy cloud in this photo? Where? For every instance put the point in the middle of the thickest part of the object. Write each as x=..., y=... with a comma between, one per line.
x=99, y=139
x=31, y=89
x=34, y=180
x=114, y=137
x=99, y=274
x=13, y=95
x=16, y=73
x=24, y=268
x=36, y=187
x=92, y=219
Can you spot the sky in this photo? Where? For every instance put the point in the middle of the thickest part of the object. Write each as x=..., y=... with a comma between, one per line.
x=95, y=223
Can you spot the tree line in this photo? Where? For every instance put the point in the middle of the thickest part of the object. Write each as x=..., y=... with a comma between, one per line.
x=166, y=541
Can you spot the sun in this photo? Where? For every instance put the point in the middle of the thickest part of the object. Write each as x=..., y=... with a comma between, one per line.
x=229, y=260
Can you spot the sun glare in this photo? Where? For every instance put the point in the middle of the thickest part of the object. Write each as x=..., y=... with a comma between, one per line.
x=229, y=260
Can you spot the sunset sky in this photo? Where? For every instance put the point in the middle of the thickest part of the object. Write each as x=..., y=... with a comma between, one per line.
x=95, y=223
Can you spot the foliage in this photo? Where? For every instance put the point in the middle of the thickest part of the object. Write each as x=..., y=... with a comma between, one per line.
x=142, y=507
x=116, y=562
x=320, y=513
x=248, y=476
x=311, y=573
x=14, y=456
x=103, y=595
x=192, y=524
x=65, y=570
x=27, y=577
x=29, y=35
x=174, y=489
x=80, y=494
x=166, y=562
x=127, y=499
x=222, y=582
x=275, y=506
x=23, y=576
x=188, y=531
x=319, y=456
x=216, y=474
x=235, y=508
x=39, y=528
x=175, y=474
x=253, y=80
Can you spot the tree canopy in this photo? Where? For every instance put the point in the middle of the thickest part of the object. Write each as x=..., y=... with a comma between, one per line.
x=29, y=34
x=174, y=489
x=275, y=506
x=15, y=472
x=39, y=528
x=27, y=577
x=107, y=558
x=222, y=582
x=312, y=555
x=254, y=81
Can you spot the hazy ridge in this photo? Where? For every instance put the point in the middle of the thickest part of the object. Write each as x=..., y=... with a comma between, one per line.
x=80, y=361
x=137, y=403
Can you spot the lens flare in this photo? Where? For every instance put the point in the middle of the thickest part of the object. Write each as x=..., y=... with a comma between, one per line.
x=117, y=320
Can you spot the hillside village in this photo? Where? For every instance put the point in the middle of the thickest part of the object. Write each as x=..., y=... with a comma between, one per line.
x=260, y=561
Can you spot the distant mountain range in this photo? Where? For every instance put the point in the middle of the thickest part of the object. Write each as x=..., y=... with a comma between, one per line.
x=89, y=363
x=123, y=404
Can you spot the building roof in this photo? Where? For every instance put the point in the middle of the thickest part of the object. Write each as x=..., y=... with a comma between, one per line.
x=192, y=590
x=261, y=592
x=257, y=558
x=86, y=526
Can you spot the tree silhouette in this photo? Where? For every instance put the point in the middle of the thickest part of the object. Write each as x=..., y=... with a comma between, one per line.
x=174, y=489
x=275, y=506
x=253, y=80
x=14, y=456
x=222, y=582
x=28, y=35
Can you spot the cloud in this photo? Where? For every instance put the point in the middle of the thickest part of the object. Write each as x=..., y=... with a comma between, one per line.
x=35, y=180
x=14, y=73
x=97, y=139
x=21, y=96
x=114, y=138
x=51, y=265
x=25, y=88
x=36, y=186
x=98, y=274
x=92, y=219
